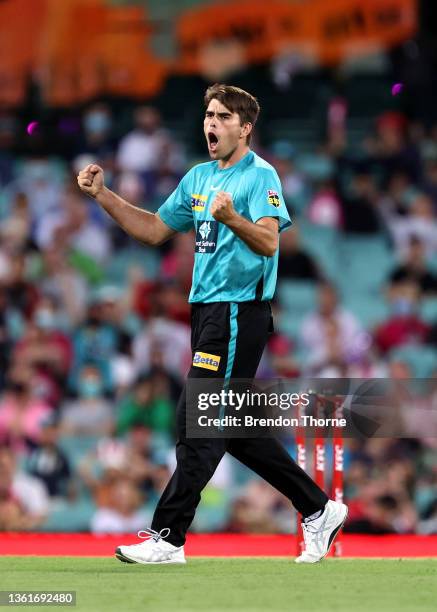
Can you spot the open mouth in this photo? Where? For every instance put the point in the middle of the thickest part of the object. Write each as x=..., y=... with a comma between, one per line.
x=212, y=141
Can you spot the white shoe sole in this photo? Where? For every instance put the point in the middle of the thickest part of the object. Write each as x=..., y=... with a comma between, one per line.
x=125, y=559
x=332, y=537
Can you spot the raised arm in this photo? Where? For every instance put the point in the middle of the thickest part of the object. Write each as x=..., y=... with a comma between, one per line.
x=140, y=224
x=261, y=237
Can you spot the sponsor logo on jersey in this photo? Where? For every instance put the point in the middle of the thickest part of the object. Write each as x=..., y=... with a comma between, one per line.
x=207, y=361
x=273, y=198
x=205, y=230
x=198, y=201
x=206, y=236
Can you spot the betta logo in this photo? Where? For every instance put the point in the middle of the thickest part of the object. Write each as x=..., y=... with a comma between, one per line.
x=198, y=202
x=207, y=361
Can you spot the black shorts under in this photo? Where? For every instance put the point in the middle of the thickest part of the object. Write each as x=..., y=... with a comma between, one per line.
x=228, y=338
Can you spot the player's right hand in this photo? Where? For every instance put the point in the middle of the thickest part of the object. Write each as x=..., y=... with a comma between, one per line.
x=90, y=180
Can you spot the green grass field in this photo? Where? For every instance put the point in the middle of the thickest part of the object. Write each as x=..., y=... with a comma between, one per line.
x=218, y=584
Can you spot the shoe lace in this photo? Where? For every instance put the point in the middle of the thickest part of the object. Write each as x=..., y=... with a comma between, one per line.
x=313, y=535
x=151, y=534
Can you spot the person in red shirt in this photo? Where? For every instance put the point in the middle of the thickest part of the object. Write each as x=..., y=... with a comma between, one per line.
x=404, y=326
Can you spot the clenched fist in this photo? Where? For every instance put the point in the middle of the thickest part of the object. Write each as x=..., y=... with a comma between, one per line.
x=222, y=209
x=90, y=180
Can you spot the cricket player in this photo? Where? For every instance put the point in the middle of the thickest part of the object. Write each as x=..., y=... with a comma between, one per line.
x=235, y=205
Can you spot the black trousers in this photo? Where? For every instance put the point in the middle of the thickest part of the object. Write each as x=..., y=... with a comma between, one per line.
x=237, y=333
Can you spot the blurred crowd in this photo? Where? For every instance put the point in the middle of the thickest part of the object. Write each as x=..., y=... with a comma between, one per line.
x=95, y=337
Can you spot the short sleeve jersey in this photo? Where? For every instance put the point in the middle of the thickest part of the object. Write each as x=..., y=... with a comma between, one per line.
x=225, y=268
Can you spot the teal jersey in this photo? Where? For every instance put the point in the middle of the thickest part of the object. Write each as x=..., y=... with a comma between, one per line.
x=225, y=268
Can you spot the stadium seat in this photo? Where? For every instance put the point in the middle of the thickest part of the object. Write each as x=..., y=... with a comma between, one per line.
x=421, y=359
x=428, y=310
x=368, y=95
x=213, y=511
x=365, y=264
x=76, y=447
x=322, y=242
x=370, y=310
x=70, y=517
x=118, y=266
x=297, y=299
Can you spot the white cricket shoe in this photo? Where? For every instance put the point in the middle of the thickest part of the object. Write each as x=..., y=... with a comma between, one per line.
x=320, y=533
x=154, y=550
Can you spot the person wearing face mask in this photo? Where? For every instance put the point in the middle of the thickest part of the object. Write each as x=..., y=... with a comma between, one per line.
x=149, y=152
x=47, y=349
x=97, y=131
x=404, y=325
x=90, y=414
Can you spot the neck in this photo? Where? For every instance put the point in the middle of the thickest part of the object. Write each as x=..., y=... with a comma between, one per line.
x=234, y=157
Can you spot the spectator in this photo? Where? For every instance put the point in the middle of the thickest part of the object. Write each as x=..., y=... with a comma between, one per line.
x=163, y=343
x=177, y=264
x=90, y=414
x=146, y=406
x=21, y=414
x=21, y=293
x=42, y=183
x=24, y=502
x=325, y=206
x=95, y=341
x=391, y=151
x=332, y=336
x=259, y=509
x=48, y=463
x=394, y=201
x=73, y=227
x=294, y=186
x=404, y=326
x=429, y=184
x=97, y=132
x=360, y=212
x=6, y=340
x=143, y=149
x=294, y=261
x=148, y=150
x=133, y=458
x=64, y=285
x=414, y=268
x=419, y=223
x=46, y=349
x=123, y=513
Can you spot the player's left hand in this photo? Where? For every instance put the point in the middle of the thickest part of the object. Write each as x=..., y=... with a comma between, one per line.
x=222, y=209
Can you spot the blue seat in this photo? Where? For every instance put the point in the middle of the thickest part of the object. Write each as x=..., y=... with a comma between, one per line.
x=118, y=267
x=70, y=517
x=428, y=310
x=297, y=299
x=76, y=447
x=422, y=359
x=365, y=264
x=322, y=243
x=369, y=309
